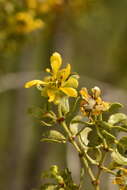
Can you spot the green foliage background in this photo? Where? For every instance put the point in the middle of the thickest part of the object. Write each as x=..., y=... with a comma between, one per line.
x=94, y=42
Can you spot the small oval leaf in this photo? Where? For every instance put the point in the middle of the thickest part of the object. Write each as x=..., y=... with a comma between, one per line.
x=115, y=106
x=84, y=135
x=117, y=118
x=118, y=158
x=53, y=136
x=74, y=128
x=122, y=145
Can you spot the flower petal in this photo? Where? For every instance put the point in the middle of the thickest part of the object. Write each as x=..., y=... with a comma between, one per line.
x=51, y=95
x=34, y=82
x=71, y=82
x=57, y=99
x=96, y=92
x=64, y=73
x=56, y=62
x=106, y=106
x=84, y=94
x=69, y=91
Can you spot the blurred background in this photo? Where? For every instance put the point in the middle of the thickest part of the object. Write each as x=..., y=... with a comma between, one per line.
x=89, y=34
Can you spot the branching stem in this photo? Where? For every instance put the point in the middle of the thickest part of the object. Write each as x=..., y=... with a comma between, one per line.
x=78, y=149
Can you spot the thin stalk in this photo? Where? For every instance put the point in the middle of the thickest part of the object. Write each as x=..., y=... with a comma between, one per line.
x=108, y=170
x=100, y=164
x=80, y=152
x=101, y=136
x=85, y=162
x=120, y=128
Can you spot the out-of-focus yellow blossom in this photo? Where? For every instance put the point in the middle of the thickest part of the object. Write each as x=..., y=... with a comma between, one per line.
x=121, y=179
x=47, y=6
x=59, y=84
x=24, y=17
x=26, y=23
x=91, y=103
x=44, y=6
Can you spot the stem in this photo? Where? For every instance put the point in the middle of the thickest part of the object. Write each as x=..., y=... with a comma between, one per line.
x=97, y=187
x=120, y=128
x=85, y=163
x=80, y=152
x=108, y=170
x=101, y=136
x=100, y=164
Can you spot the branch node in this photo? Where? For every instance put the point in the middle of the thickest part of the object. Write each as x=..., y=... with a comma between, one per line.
x=81, y=154
x=61, y=119
x=95, y=182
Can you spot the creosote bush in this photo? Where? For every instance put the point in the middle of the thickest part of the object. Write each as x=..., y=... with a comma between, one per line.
x=88, y=115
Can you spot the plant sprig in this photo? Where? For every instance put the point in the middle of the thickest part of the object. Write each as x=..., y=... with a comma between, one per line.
x=94, y=138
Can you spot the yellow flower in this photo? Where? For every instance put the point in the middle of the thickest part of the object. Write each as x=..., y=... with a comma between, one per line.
x=47, y=6
x=121, y=179
x=59, y=84
x=91, y=103
x=26, y=23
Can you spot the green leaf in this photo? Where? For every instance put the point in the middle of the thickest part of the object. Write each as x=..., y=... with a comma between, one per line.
x=65, y=105
x=76, y=124
x=43, y=123
x=48, y=119
x=74, y=128
x=115, y=107
x=77, y=119
x=122, y=145
x=117, y=118
x=84, y=135
x=53, y=136
x=118, y=158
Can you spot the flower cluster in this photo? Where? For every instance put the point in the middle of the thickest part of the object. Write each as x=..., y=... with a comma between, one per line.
x=16, y=22
x=25, y=22
x=59, y=84
x=18, y=19
x=93, y=135
x=51, y=5
x=92, y=104
x=121, y=179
